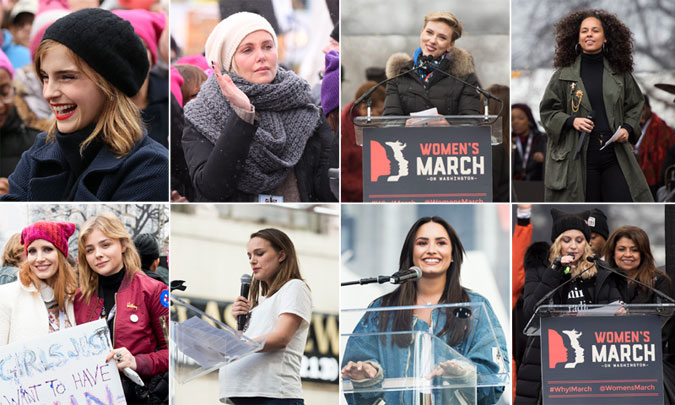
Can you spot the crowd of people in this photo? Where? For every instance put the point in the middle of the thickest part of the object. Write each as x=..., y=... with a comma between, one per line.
x=44, y=288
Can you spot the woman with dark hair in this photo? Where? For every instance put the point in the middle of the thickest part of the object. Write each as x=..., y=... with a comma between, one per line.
x=592, y=96
x=529, y=145
x=271, y=376
x=433, y=246
x=425, y=87
x=628, y=250
x=570, y=249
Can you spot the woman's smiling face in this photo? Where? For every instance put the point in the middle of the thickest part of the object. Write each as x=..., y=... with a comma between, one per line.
x=436, y=39
x=75, y=100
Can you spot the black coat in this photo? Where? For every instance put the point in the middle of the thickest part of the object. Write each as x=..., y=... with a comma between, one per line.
x=15, y=138
x=214, y=169
x=43, y=174
x=156, y=113
x=540, y=279
x=408, y=93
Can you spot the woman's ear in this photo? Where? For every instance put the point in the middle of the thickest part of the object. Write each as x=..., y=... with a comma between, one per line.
x=282, y=256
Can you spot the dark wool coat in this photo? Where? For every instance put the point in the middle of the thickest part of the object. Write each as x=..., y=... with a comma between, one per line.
x=565, y=177
x=141, y=175
x=214, y=169
x=15, y=138
x=540, y=279
x=408, y=94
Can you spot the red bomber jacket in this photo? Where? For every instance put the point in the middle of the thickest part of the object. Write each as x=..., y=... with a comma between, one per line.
x=141, y=322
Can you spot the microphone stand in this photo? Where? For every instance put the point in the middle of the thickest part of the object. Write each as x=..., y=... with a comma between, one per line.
x=486, y=94
x=366, y=95
x=369, y=280
x=658, y=293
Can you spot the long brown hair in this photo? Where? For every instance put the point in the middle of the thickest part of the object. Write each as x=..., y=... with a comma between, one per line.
x=646, y=271
x=63, y=282
x=406, y=293
x=119, y=126
x=288, y=268
x=113, y=228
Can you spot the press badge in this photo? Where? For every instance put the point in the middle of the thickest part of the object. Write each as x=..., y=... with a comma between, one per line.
x=267, y=198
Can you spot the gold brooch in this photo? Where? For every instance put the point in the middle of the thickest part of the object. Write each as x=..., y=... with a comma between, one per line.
x=579, y=95
x=573, y=85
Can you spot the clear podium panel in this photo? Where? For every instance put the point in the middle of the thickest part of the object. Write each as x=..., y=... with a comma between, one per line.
x=493, y=121
x=200, y=344
x=664, y=311
x=459, y=358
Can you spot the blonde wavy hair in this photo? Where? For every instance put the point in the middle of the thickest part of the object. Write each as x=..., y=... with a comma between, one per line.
x=449, y=19
x=113, y=228
x=63, y=282
x=119, y=126
x=580, y=265
x=13, y=253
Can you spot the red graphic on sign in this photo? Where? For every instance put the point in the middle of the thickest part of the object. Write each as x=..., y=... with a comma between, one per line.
x=380, y=165
x=557, y=352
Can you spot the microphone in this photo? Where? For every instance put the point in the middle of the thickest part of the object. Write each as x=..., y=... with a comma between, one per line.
x=549, y=295
x=557, y=263
x=609, y=268
x=583, y=135
x=370, y=91
x=245, y=287
x=401, y=276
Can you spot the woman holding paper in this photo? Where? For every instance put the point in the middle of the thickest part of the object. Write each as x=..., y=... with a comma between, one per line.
x=569, y=278
x=593, y=99
x=40, y=301
x=113, y=286
x=271, y=376
x=427, y=87
x=432, y=245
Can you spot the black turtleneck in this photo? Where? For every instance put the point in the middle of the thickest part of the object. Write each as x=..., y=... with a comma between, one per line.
x=592, y=67
x=107, y=288
x=77, y=163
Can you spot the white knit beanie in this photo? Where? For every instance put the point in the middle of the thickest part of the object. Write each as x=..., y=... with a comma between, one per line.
x=228, y=34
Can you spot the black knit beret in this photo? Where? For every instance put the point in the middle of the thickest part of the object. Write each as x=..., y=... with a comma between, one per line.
x=564, y=221
x=597, y=221
x=107, y=43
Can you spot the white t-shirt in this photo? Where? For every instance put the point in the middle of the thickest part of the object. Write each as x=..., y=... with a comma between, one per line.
x=273, y=374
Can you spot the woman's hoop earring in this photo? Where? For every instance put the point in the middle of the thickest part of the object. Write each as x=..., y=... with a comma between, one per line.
x=577, y=48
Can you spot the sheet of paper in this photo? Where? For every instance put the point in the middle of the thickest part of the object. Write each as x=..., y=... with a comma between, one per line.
x=612, y=139
x=427, y=117
x=607, y=310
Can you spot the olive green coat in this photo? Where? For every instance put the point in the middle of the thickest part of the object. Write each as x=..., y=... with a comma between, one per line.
x=565, y=177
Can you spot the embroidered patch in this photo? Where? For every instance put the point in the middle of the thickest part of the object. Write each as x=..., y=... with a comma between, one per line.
x=164, y=298
x=591, y=221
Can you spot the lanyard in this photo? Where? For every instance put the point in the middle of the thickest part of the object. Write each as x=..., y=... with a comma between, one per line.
x=526, y=155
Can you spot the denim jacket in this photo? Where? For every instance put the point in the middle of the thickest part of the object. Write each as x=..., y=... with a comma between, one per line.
x=394, y=361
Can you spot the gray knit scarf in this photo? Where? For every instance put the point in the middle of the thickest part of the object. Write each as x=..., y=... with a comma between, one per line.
x=286, y=119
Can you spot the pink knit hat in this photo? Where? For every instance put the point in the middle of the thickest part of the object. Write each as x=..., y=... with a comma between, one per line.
x=6, y=64
x=147, y=24
x=55, y=232
x=48, y=12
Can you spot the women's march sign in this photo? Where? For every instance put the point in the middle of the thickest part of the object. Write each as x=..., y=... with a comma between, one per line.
x=601, y=360
x=66, y=367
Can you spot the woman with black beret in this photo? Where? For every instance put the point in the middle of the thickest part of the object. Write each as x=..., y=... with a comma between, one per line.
x=91, y=64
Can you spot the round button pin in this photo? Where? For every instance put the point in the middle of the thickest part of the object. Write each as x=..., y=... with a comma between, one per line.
x=134, y=318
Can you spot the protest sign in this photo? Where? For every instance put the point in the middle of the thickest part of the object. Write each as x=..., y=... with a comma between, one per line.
x=66, y=367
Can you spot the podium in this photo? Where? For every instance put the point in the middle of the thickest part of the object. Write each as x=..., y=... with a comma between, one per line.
x=599, y=354
x=466, y=364
x=200, y=344
x=436, y=159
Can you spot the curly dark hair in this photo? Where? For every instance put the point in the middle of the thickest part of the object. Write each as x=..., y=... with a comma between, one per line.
x=618, y=49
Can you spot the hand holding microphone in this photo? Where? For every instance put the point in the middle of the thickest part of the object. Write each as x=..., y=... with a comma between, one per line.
x=242, y=306
x=563, y=263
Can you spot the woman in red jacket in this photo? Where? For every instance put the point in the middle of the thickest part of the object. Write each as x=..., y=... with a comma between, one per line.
x=112, y=286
